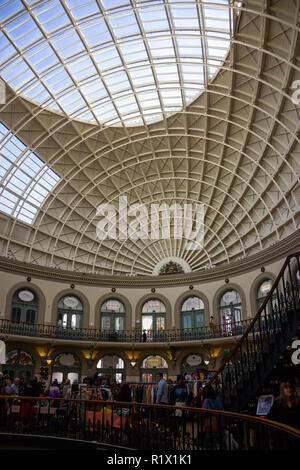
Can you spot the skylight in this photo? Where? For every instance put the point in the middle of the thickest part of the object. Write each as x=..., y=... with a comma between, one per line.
x=25, y=181
x=112, y=61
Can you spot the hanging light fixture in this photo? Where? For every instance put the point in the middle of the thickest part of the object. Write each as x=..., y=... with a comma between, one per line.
x=132, y=360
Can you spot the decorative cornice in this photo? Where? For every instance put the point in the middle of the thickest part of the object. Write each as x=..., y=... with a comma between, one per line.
x=230, y=270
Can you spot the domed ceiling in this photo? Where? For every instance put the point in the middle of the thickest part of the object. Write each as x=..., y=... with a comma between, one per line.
x=171, y=102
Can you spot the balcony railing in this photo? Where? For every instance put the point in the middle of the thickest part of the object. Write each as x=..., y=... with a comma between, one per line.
x=142, y=426
x=124, y=336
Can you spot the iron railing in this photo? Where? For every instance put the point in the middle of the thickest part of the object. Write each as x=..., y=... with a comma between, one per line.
x=269, y=332
x=142, y=426
x=128, y=336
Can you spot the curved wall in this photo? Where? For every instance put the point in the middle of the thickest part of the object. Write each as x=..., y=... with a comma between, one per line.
x=93, y=295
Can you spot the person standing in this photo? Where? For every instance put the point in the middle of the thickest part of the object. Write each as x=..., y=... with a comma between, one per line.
x=162, y=390
x=67, y=389
x=12, y=389
x=162, y=397
x=286, y=408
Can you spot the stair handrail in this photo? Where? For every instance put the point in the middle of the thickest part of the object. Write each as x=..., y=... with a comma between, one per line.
x=255, y=318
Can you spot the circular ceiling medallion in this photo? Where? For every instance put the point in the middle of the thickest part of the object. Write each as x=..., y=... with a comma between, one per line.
x=26, y=295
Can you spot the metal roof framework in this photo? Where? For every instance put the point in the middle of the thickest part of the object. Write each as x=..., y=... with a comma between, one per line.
x=234, y=147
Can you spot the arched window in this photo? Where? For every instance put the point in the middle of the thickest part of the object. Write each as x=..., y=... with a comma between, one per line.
x=66, y=366
x=25, y=305
x=192, y=313
x=154, y=319
x=19, y=363
x=151, y=366
x=262, y=292
x=70, y=312
x=113, y=315
x=111, y=368
x=230, y=309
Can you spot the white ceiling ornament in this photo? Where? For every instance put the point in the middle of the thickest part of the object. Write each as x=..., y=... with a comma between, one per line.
x=185, y=266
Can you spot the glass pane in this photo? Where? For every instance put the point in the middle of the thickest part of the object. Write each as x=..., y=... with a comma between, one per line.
x=105, y=323
x=237, y=315
x=120, y=364
x=25, y=359
x=264, y=289
x=199, y=319
x=230, y=298
x=154, y=361
x=119, y=378
x=226, y=316
x=187, y=321
x=113, y=305
x=58, y=376
x=192, y=303
x=147, y=377
x=73, y=377
x=65, y=320
x=30, y=316
x=153, y=305
x=119, y=323
x=12, y=357
x=16, y=314
x=160, y=323
x=147, y=322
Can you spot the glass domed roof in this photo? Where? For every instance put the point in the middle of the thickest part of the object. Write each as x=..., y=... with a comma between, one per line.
x=113, y=62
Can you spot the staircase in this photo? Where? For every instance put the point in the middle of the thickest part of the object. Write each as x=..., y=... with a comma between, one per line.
x=271, y=330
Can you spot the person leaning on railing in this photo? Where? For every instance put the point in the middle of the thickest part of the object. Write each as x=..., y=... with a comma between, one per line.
x=211, y=326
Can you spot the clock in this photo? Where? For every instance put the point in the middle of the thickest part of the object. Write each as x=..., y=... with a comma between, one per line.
x=194, y=360
x=71, y=302
x=26, y=295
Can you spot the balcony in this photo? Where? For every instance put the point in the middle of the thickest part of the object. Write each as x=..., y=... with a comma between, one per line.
x=173, y=335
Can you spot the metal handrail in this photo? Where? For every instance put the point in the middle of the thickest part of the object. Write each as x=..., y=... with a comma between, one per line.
x=172, y=334
x=277, y=426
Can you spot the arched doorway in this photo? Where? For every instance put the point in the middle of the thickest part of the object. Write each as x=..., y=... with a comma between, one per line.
x=154, y=319
x=231, y=312
x=24, y=311
x=192, y=318
x=111, y=368
x=261, y=294
x=112, y=320
x=66, y=366
x=19, y=363
x=151, y=366
x=69, y=317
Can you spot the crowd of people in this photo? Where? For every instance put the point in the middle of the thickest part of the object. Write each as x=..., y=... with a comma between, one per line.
x=34, y=388
x=286, y=408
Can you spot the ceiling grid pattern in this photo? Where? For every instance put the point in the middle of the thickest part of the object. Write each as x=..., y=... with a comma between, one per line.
x=235, y=148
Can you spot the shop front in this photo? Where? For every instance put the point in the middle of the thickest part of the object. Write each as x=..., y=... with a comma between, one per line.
x=151, y=366
x=19, y=364
x=66, y=366
x=111, y=368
